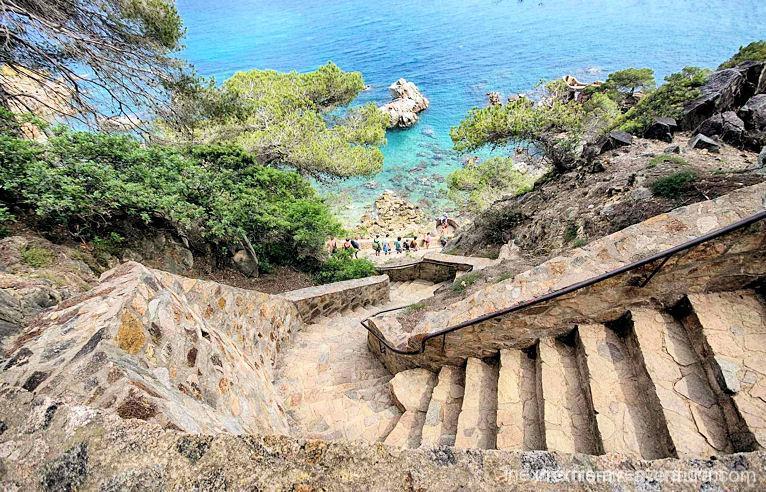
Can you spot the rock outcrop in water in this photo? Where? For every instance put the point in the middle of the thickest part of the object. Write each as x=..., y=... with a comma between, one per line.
x=408, y=102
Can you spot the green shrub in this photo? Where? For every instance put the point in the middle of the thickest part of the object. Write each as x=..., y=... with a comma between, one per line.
x=342, y=266
x=668, y=100
x=667, y=159
x=465, y=281
x=37, y=256
x=755, y=51
x=5, y=219
x=570, y=233
x=96, y=183
x=477, y=186
x=579, y=242
x=109, y=245
x=413, y=308
x=671, y=186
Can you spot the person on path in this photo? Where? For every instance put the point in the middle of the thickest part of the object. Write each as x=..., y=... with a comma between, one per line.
x=386, y=246
x=356, y=246
x=427, y=240
x=332, y=246
x=376, y=246
x=347, y=244
x=398, y=245
x=414, y=244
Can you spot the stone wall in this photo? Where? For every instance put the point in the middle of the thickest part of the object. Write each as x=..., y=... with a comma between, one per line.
x=436, y=268
x=184, y=353
x=323, y=300
x=728, y=263
x=49, y=446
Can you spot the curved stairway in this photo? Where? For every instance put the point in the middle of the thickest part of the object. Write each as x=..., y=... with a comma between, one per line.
x=333, y=386
x=685, y=382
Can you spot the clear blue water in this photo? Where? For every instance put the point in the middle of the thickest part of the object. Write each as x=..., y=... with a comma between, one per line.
x=458, y=50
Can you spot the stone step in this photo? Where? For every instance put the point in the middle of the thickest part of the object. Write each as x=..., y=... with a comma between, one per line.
x=440, y=425
x=519, y=418
x=732, y=328
x=412, y=392
x=477, y=422
x=694, y=418
x=628, y=413
x=568, y=419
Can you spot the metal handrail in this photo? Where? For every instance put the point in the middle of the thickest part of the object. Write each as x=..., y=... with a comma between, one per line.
x=663, y=255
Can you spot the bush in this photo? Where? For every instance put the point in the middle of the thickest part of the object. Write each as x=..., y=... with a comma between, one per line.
x=342, y=266
x=668, y=100
x=755, y=51
x=94, y=184
x=5, y=219
x=667, y=159
x=476, y=186
x=37, y=257
x=673, y=185
x=461, y=284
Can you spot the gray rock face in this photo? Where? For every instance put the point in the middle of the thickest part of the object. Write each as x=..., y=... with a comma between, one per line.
x=762, y=157
x=754, y=112
x=702, y=142
x=662, y=129
x=408, y=102
x=246, y=263
x=726, y=126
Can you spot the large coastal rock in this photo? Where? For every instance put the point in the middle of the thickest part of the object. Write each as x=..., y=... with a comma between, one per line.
x=393, y=215
x=408, y=102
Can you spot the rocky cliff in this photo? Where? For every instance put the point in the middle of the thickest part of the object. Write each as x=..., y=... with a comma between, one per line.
x=407, y=103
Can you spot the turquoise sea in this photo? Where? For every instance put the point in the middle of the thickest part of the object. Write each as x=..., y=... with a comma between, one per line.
x=456, y=51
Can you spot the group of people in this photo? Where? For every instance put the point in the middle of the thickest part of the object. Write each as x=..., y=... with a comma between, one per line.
x=384, y=245
x=351, y=245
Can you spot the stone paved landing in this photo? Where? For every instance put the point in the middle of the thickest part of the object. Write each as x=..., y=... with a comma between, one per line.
x=333, y=387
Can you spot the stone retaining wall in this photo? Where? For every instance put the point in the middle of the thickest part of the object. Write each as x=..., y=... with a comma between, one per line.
x=730, y=262
x=145, y=344
x=323, y=300
x=425, y=269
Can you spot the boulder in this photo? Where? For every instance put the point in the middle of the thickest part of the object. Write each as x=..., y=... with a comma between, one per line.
x=721, y=93
x=618, y=139
x=662, y=129
x=703, y=142
x=245, y=263
x=673, y=149
x=755, y=76
x=762, y=157
x=407, y=102
x=754, y=112
x=727, y=126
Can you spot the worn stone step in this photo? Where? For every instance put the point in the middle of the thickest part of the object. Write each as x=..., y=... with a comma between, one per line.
x=568, y=419
x=694, y=419
x=519, y=412
x=440, y=427
x=732, y=326
x=477, y=422
x=412, y=392
x=628, y=413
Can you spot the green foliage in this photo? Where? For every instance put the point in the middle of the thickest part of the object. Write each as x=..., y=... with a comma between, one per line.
x=461, y=284
x=570, y=233
x=676, y=160
x=755, y=51
x=94, y=183
x=6, y=218
x=668, y=100
x=476, y=186
x=414, y=308
x=287, y=119
x=579, y=242
x=37, y=256
x=625, y=83
x=553, y=127
x=108, y=245
x=672, y=185
x=342, y=266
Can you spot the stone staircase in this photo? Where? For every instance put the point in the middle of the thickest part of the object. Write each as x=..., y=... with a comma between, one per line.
x=333, y=387
x=687, y=382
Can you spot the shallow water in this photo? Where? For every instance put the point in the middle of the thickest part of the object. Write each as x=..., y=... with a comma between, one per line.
x=457, y=51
